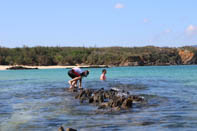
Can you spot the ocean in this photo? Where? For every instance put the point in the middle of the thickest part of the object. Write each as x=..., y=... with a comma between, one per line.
x=38, y=100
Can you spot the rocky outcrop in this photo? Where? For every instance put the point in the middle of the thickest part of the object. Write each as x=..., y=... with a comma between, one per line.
x=107, y=99
x=133, y=61
x=187, y=57
x=67, y=129
x=162, y=57
x=20, y=68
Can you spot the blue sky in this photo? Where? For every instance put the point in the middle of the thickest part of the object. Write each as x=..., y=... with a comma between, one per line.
x=98, y=23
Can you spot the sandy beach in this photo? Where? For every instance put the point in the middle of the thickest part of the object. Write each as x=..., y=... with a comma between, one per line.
x=4, y=67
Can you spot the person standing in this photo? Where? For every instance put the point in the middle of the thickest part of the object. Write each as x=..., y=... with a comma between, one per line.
x=103, y=75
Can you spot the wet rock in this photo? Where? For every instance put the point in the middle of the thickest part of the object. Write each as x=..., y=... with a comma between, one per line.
x=117, y=102
x=136, y=98
x=67, y=129
x=82, y=93
x=108, y=99
x=91, y=100
x=88, y=92
x=73, y=89
x=70, y=129
x=116, y=108
x=98, y=97
x=103, y=105
x=127, y=103
x=61, y=128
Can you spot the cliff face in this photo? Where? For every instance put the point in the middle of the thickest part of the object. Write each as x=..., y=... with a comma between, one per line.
x=133, y=61
x=175, y=57
x=187, y=57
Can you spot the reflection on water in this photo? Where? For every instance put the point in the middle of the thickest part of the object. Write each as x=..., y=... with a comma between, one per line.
x=45, y=105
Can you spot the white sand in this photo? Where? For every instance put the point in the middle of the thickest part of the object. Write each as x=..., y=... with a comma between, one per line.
x=3, y=67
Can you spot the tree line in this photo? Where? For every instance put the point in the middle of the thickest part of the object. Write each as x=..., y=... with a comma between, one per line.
x=116, y=56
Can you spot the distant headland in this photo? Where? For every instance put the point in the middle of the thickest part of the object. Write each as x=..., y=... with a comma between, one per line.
x=61, y=57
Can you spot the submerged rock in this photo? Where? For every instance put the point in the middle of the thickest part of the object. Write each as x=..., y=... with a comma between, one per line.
x=61, y=128
x=67, y=129
x=73, y=89
x=70, y=129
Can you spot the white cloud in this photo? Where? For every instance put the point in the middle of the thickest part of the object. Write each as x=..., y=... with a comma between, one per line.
x=191, y=30
x=119, y=6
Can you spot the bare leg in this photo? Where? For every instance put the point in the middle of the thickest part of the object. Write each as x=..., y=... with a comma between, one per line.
x=74, y=83
x=70, y=83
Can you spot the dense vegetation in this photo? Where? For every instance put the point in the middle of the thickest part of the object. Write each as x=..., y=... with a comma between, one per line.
x=92, y=56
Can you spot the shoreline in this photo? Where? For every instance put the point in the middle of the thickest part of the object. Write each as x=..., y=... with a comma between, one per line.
x=4, y=67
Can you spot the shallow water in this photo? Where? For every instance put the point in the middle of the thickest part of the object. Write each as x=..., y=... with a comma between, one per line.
x=38, y=99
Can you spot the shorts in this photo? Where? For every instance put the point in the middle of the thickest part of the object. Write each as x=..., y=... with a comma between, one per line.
x=72, y=74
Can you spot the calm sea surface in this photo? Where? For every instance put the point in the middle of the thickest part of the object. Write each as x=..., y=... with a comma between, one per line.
x=34, y=100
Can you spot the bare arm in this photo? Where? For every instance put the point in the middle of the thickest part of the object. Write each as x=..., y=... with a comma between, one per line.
x=76, y=78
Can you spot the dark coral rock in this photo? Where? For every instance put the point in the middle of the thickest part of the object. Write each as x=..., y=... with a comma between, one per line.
x=70, y=129
x=91, y=100
x=136, y=98
x=127, y=103
x=73, y=89
x=61, y=128
x=108, y=99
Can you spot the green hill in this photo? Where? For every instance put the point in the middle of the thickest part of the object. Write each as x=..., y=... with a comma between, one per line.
x=113, y=56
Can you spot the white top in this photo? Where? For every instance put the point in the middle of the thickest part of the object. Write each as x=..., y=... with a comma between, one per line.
x=78, y=70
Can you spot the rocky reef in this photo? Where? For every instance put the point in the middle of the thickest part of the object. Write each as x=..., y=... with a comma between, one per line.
x=67, y=129
x=112, y=99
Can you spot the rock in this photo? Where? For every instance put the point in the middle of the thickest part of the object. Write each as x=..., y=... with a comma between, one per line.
x=103, y=105
x=19, y=68
x=117, y=102
x=73, y=89
x=108, y=99
x=91, y=100
x=134, y=61
x=61, y=128
x=127, y=103
x=117, y=109
x=186, y=56
x=98, y=98
x=89, y=92
x=70, y=129
x=136, y=98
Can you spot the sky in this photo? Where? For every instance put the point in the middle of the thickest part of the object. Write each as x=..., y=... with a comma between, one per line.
x=98, y=23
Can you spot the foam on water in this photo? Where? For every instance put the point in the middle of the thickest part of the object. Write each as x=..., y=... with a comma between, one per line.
x=17, y=118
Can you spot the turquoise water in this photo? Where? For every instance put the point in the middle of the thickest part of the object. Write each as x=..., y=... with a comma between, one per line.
x=38, y=99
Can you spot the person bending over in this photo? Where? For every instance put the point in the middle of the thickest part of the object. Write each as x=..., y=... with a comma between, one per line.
x=77, y=74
